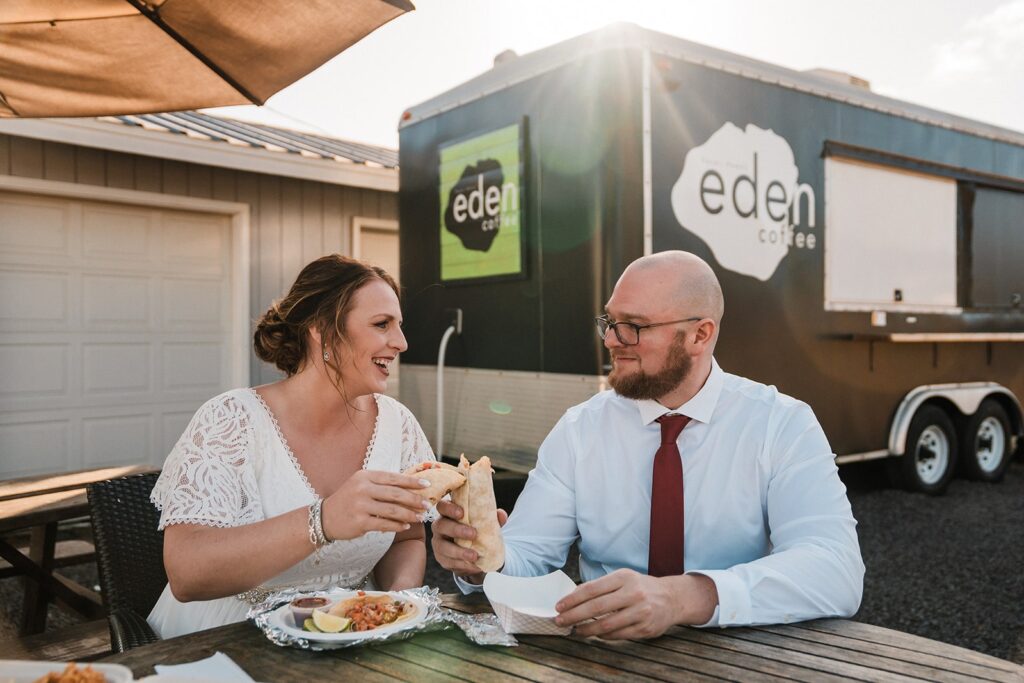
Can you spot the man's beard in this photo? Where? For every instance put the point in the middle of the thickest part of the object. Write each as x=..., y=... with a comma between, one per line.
x=640, y=385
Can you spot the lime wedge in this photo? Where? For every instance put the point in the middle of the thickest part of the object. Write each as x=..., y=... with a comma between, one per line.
x=329, y=623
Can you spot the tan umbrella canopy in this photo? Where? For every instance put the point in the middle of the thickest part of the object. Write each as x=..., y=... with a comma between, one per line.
x=105, y=57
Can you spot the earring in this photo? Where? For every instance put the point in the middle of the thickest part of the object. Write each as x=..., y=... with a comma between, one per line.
x=327, y=356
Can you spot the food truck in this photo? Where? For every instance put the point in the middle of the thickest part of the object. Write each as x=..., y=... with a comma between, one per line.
x=870, y=250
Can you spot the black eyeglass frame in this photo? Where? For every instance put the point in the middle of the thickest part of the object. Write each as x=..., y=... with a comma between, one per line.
x=603, y=321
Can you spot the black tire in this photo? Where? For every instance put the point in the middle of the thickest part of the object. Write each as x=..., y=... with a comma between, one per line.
x=929, y=458
x=985, y=442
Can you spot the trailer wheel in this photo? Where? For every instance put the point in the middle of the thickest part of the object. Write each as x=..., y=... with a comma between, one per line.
x=986, y=442
x=927, y=464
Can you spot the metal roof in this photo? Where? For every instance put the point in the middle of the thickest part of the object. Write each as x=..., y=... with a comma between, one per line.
x=200, y=126
x=624, y=36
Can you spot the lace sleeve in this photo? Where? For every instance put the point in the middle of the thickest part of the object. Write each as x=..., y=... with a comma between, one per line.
x=207, y=477
x=415, y=448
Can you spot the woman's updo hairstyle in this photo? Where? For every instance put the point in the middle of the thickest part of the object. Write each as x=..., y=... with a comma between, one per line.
x=321, y=297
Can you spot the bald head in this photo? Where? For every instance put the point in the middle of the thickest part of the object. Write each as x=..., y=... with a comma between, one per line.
x=686, y=282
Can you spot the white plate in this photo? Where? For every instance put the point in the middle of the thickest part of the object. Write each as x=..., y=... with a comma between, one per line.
x=282, y=618
x=13, y=671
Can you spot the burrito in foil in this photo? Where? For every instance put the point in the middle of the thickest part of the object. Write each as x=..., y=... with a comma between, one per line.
x=480, y=511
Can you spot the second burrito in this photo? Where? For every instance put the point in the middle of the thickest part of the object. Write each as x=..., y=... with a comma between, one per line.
x=480, y=511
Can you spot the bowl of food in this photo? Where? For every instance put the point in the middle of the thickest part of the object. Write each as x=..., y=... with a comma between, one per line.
x=352, y=616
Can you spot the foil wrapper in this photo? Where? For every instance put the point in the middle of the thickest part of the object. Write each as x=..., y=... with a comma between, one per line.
x=482, y=629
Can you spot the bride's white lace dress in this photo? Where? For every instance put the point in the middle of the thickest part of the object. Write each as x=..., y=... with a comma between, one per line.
x=233, y=466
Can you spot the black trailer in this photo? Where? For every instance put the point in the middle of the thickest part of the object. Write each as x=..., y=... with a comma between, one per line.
x=871, y=251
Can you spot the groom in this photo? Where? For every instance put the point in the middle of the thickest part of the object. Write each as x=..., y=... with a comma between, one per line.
x=696, y=496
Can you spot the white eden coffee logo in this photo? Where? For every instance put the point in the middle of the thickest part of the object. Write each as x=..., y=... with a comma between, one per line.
x=485, y=203
x=739, y=193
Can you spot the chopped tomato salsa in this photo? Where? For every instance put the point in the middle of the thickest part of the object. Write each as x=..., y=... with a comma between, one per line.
x=367, y=616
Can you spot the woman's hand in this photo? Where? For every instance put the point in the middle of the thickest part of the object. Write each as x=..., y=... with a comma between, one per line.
x=373, y=501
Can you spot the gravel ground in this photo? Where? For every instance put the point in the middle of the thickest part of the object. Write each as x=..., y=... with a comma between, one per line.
x=950, y=568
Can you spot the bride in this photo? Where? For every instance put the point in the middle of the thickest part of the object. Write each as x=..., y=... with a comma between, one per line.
x=296, y=483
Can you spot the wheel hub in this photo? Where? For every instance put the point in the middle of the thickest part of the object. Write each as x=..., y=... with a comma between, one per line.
x=931, y=454
x=990, y=444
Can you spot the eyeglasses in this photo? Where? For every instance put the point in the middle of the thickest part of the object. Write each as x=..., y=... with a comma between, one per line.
x=628, y=334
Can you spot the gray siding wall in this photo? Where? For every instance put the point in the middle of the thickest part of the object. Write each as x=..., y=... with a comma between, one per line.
x=292, y=221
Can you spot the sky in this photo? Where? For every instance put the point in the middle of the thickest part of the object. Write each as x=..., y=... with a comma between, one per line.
x=960, y=56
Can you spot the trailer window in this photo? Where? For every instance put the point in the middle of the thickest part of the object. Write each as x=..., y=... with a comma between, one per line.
x=997, y=248
x=890, y=239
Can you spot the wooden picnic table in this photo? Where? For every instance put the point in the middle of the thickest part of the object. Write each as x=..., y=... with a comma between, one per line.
x=823, y=650
x=39, y=504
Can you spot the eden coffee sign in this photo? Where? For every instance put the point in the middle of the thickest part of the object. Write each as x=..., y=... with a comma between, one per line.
x=740, y=193
x=481, y=197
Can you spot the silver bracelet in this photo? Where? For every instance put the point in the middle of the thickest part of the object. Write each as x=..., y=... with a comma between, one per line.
x=316, y=530
x=318, y=523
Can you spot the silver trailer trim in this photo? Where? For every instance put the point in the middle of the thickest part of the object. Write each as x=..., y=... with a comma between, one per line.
x=648, y=172
x=862, y=457
x=932, y=337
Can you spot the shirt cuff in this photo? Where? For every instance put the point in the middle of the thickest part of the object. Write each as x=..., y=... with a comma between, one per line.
x=733, y=599
x=465, y=586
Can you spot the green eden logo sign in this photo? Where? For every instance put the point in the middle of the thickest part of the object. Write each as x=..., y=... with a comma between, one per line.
x=481, y=231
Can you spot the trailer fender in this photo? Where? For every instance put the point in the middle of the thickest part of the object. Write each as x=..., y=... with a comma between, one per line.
x=966, y=396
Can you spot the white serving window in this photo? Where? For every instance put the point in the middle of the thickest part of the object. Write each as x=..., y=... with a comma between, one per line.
x=890, y=239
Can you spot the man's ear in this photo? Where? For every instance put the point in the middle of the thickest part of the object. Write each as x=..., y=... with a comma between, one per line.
x=705, y=332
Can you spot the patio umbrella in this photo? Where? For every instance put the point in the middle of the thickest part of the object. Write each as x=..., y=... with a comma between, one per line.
x=105, y=57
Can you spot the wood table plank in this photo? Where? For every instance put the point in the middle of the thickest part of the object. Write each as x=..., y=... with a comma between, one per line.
x=922, y=649
x=797, y=665
x=381, y=658
x=20, y=513
x=418, y=652
x=703, y=663
x=49, y=483
x=590, y=670
x=765, y=660
x=456, y=644
x=649, y=669
x=839, y=652
x=79, y=642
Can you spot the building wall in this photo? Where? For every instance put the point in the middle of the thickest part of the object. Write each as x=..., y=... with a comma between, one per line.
x=292, y=221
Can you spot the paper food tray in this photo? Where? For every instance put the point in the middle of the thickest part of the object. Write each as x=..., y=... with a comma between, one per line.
x=527, y=604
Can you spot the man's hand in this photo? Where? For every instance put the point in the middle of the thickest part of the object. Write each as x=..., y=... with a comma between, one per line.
x=626, y=604
x=450, y=555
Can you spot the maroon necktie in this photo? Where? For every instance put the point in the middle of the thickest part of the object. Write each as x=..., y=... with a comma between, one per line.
x=666, y=552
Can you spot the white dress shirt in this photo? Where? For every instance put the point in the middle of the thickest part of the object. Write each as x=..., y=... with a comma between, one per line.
x=766, y=515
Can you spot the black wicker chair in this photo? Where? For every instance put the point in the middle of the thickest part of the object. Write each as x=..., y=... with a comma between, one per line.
x=129, y=554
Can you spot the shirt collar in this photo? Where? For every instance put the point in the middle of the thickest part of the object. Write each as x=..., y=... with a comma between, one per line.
x=699, y=408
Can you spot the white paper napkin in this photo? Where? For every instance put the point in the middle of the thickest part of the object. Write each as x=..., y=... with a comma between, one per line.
x=218, y=667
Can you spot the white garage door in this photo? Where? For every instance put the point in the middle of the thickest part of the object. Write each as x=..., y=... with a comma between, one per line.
x=115, y=323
